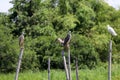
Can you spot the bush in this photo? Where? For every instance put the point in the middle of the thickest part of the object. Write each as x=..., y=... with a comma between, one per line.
x=83, y=49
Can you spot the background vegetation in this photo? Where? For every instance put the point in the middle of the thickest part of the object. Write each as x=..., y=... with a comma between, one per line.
x=45, y=20
x=84, y=74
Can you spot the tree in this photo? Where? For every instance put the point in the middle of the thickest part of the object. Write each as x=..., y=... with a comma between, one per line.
x=8, y=50
x=84, y=50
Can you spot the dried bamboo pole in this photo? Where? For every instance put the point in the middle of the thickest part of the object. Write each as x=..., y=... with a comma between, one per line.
x=65, y=66
x=19, y=63
x=69, y=65
x=48, y=68
x=110, y=60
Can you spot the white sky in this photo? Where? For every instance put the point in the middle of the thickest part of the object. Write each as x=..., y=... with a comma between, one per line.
x=114, y=3
x=5, y=5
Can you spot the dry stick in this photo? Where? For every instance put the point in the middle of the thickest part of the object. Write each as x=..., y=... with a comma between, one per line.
x=66, y=70
x=48, y=68
x=76, y=61
x=19, y=63
x=109, y=60
x=69, y=67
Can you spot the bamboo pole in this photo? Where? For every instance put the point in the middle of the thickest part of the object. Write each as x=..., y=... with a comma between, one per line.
x=76, y=62
x=19, y=63
x=109, y=60
x=65, y=66
x=69, y=66
x=48, y=68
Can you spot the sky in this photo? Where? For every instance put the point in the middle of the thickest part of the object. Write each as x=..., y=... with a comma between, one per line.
x=114, y=3
x=5, y=5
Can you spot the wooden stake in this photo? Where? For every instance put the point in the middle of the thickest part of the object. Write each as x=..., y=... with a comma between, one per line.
x=19, y=63
x=76, y=61
x=66, y=70
x=69, y=66
x=109, y=60
x=48, y=68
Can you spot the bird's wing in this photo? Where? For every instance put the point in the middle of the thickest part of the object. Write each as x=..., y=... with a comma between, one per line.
x=67, y=39
x=111, y=30
x=60, y=40
x=21, y=39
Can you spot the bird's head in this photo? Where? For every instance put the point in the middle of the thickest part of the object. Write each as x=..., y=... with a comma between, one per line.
x=69, y=32
x=23, y=33
x=108, y=26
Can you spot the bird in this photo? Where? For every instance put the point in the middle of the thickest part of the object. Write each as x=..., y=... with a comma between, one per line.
x=66, y=41
x=21, y=40
x=111, y=30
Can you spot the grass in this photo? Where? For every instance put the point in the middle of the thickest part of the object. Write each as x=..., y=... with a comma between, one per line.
x=99, y=73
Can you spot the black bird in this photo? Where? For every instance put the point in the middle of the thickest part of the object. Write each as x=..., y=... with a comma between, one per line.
x=66, y=41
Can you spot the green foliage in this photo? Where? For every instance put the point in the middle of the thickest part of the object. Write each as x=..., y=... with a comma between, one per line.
x=83, y=49
x=45, y=20
x=100, y=42
x=66, y=22
x=8, y=50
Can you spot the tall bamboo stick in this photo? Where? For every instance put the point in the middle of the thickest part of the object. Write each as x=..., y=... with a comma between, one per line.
x=76, y=61
x=19, y=63
x=69, y=66
x=65, y=66
x=48, y=68
x=109, y=60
